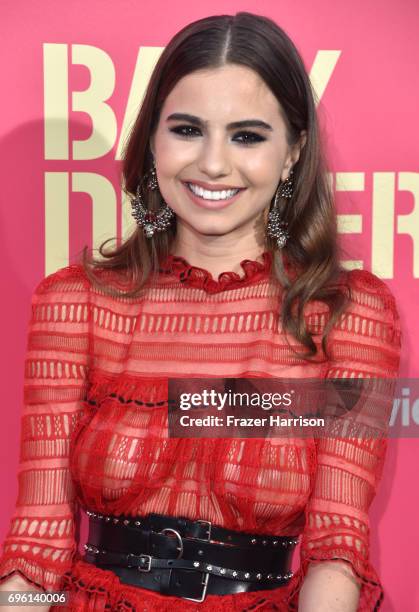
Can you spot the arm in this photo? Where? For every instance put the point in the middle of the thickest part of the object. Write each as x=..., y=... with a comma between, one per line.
x=329, y=587
x=17, y=583
x=40, y=545
x=335, y=572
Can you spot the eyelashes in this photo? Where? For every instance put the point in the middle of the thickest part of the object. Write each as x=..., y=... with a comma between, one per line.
x=188, y=131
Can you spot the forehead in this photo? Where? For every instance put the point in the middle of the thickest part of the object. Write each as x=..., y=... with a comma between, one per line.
x=231, y=91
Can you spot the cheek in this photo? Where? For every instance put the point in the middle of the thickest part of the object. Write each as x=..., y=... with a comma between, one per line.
x=258, y=166
x=173, y=155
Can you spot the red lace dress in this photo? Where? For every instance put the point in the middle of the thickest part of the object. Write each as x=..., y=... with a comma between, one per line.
x=95, y=397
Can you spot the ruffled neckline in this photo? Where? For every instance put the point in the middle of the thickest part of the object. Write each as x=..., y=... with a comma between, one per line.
x=193, y=276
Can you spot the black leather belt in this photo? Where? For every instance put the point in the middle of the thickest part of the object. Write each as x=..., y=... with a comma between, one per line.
x=185, y=558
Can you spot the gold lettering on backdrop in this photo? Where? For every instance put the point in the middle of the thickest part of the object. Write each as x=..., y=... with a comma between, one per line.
x=383, y=218
x=57, y=230
x=350, y=223
x=56, y=220
x=104, y=205
x=56, y=101
x=93, y=102
x=322, y=69
x=409, y=223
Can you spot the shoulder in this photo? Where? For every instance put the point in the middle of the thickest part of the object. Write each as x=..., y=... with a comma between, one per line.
x=370, y=295
x=67, y=280
x=372, y=309
x=365, y=292
x=72, y=283
x=370, y=290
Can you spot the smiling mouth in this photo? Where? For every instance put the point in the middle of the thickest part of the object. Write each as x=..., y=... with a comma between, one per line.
x=212, y=195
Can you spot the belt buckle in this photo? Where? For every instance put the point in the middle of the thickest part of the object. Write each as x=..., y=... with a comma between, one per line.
x=209, y=529
x=204, y=589
x=178, y=537
x=148, y=559
x=204, y=574
x=180, y=553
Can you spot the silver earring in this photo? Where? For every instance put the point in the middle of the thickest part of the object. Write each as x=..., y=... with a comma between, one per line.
x=277, y=228
x=286, y=188
x=151, y=221
x=152, y=178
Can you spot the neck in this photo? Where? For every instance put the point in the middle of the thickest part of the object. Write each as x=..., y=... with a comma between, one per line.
x=217, y=253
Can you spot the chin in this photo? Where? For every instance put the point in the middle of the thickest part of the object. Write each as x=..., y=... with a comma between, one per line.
x=212, y=230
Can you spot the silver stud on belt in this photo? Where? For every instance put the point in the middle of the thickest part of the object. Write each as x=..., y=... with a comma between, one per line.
x=93, y=549
x=290, y=542
x=115, y=520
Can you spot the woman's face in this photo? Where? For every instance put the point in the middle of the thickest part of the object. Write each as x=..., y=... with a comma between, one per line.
x=206, y=153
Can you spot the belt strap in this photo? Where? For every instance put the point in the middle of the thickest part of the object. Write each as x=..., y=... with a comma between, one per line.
x=187, y=566
x=199, y=529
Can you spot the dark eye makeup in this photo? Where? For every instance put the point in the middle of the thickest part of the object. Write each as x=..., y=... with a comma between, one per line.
x=189, y=131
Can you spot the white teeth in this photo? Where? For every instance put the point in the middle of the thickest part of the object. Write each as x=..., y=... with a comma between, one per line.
x=212, y=195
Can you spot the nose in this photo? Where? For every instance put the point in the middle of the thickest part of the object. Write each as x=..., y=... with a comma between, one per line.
x=214, y=158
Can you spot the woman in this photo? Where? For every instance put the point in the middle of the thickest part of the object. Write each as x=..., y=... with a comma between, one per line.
x=232, y=272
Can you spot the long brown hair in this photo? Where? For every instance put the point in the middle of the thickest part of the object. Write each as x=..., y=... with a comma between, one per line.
x=258, y=43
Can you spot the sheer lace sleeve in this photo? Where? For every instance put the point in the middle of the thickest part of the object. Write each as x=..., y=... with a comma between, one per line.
x=365, y=343
x=40, y=542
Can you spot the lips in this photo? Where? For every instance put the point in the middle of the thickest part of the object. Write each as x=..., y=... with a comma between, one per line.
x=211, y=204
x=212, y=187
x=196, y=190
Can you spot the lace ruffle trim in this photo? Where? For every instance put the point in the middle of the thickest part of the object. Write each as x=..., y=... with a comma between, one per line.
x=41, y=573
x=193, y=276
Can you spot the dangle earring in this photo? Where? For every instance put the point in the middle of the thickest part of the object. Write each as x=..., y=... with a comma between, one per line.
x=150, y=221
x=277, y=228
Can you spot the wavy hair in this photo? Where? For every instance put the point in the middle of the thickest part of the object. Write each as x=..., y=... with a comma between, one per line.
x=257, y=42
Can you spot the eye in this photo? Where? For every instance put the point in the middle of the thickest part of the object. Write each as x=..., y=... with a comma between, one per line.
x=189, y=131
x=183, y=130
x=250, y=138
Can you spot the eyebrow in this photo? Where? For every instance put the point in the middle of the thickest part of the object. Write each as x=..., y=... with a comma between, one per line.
x=246, y=123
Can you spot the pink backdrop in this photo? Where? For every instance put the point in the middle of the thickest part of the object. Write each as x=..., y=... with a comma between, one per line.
x=60, y=189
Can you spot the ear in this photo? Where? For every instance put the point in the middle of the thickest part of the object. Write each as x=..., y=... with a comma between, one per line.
x=294, y=155
x=152, y=145
x=303, y=139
